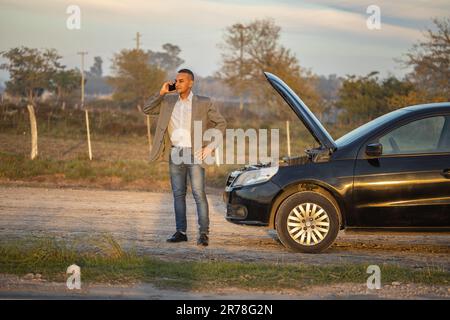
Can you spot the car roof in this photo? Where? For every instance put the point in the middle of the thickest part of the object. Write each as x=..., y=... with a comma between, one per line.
x=440, y=106
x=428, y=108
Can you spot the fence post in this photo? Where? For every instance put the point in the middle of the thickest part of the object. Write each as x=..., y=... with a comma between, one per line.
x=34, y=133
x=88, y=134
x=217, y=154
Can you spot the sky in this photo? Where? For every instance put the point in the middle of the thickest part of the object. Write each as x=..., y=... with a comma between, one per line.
x=328, y=37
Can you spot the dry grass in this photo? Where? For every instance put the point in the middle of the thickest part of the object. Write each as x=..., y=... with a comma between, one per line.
x=119, y=145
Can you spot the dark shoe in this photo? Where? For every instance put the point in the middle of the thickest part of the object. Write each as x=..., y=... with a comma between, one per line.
x=203, y=240
x=177, y=237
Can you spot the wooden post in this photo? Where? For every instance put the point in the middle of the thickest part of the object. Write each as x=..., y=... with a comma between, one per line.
x=83, y=53
x=88, y=134
x=217, y=157
x=149, y=133
x=288, y=139
x=34, y=134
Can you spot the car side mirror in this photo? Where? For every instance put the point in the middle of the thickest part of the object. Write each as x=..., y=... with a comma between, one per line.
x=374, y=149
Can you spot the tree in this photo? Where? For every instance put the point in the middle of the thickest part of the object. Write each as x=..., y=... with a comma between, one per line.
x=167, y=60
x=365, y=98
x=96, y=84
x=65, y=82
x=430, y=61
x=251, y=49
x=235, y=68
x=96, y=69
x=30, y=70
x=359, y=98
x=134, y=79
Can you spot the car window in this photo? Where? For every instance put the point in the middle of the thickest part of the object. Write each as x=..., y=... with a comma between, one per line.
x=420, y=136
x=369, y=126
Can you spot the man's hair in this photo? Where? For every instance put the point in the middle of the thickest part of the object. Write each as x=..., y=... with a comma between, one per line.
x=189, y=72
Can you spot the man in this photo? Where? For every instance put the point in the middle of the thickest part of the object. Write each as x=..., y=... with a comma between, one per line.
x=174, y=137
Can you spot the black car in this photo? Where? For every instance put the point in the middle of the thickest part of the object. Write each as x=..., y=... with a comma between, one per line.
x=390, y=173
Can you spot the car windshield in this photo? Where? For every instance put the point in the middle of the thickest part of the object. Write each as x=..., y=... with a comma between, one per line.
x=358, y=132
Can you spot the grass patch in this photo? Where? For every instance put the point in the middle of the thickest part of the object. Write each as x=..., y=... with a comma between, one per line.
x=102, y=259
x=14, y=166
x=137, y=174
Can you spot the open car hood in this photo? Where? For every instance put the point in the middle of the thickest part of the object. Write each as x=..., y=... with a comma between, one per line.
x=302, y=111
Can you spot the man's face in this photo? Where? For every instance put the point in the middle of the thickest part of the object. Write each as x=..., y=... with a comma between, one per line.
x=184, y=83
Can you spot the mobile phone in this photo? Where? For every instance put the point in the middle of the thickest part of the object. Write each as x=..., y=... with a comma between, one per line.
x=172, y=87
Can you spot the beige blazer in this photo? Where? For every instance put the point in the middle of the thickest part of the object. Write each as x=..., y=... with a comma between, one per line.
x=203, y=109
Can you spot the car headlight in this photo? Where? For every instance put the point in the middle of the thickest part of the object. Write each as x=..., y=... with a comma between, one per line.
x=255, y=176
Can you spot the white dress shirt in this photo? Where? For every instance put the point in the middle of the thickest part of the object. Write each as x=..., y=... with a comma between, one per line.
x=180, y=122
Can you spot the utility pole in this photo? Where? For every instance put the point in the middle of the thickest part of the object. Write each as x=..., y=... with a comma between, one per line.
x=241, y=62
x=83, y=53
x=138, y=42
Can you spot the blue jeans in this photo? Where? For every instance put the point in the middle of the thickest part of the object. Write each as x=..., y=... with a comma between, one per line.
x=178, y=180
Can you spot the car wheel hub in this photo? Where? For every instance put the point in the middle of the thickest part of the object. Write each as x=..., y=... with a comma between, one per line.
x=308, y=224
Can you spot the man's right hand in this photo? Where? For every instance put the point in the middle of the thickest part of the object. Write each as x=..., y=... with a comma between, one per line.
x=165, y=88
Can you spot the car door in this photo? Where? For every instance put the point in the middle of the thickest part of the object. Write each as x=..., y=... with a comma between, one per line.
x=409, y=184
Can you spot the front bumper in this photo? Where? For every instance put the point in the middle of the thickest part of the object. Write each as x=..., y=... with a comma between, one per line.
x=250, y=204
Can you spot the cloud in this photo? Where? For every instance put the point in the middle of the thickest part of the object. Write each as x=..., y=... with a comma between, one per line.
x=217, y=15
x=419, y=10
x=313, y=29
x=200, y=14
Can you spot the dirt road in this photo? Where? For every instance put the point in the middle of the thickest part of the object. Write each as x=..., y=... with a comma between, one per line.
x=143, y=221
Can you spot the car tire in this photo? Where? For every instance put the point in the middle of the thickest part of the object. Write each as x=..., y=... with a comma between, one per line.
x=307, y=222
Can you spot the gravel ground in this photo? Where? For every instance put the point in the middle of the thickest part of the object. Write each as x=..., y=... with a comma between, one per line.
x=143, y=221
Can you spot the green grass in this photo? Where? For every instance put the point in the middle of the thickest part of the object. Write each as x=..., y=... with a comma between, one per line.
x=102, y=259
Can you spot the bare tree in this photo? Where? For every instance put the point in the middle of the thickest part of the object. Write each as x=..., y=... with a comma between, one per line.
x=235, y=68
x=430, y=61
x=251, y=49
